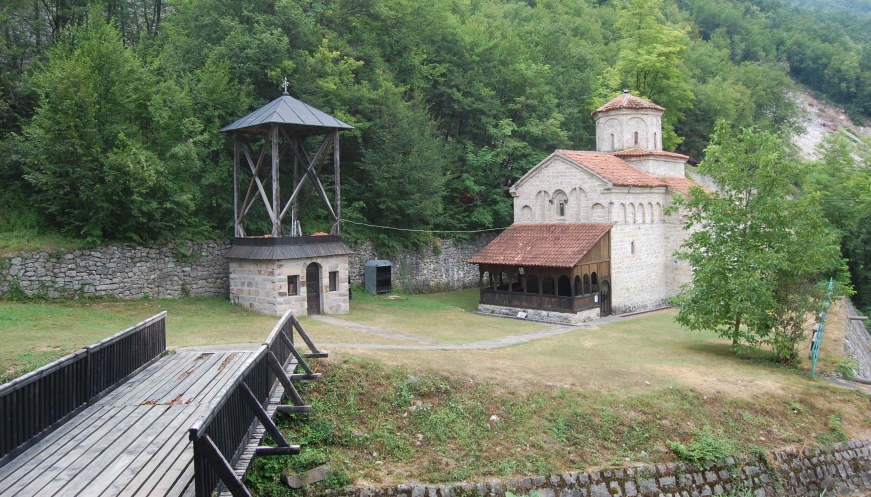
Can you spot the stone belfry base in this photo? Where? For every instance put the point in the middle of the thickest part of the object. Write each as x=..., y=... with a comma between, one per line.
x=263, y=271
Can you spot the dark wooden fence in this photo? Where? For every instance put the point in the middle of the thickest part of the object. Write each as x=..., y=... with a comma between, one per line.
x=536, y=301
x=222, y=434
x=33, y=405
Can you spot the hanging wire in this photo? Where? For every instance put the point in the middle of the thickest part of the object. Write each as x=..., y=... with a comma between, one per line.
x=421, y=231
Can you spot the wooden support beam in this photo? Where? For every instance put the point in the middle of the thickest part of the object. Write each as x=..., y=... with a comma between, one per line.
x=237, y=225
x=266, y=451
x=311, y=174
x=282, y=377
x=299, y=358
x=308, y=341
x=276, y=185
x=246, y=149
x=255, y=170
x=337, y=230
x=222, y=467
x=263, y=416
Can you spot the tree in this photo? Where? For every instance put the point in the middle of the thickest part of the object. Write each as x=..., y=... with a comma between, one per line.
x=107, y=154
x=753, y=244
x=651, y=63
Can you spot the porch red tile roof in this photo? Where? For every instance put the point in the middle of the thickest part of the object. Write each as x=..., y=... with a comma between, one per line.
x=613, y=169
x=542, y=244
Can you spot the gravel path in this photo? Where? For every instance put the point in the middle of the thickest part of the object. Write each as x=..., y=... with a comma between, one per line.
x=425, y=344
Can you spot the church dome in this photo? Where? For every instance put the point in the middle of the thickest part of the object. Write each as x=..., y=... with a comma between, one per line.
x=628, y=122
x=628, y=101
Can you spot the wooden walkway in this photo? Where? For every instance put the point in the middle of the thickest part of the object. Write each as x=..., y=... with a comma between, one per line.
x=133, y=441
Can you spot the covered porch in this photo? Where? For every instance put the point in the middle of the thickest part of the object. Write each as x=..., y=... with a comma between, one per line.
x=563, y=268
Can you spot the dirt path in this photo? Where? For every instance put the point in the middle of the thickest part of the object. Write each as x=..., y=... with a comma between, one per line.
x=425, y=344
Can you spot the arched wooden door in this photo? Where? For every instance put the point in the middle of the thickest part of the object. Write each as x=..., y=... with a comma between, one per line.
x=313, y=288
x=605, y=298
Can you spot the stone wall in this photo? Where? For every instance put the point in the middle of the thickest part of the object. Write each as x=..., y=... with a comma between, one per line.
x=843, y=469
x=124, y=271
x=200, y=269
x=427, y=269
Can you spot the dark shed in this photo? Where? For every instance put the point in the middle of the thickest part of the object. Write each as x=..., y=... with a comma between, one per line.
x=378, y=276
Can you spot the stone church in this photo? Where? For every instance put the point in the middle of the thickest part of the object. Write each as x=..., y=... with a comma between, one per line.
x=589, y=236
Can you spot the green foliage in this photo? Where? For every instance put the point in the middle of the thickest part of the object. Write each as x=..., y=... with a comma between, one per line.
x=756, y=249
x=109, y=113
x=705, y=446
x=650, y=63
x=842, y=179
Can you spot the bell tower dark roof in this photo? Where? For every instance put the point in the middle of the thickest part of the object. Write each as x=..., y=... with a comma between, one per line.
x=299, y=117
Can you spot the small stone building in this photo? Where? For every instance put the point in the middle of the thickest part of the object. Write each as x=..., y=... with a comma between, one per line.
x=306, y=274
x=625, y=183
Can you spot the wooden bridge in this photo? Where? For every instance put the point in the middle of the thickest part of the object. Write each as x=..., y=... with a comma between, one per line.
x=124, y=417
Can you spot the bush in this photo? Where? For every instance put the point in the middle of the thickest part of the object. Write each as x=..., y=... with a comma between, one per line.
x=705, y=446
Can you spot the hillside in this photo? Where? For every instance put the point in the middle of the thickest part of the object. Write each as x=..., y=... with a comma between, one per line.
x=819, y=120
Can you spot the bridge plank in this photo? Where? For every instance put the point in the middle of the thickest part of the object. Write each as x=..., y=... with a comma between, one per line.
x=178, y=448
x=134, y=440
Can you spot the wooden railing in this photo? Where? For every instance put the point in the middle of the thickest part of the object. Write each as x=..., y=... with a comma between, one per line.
x=536, y=301
x=223, y=432
x=34, y=404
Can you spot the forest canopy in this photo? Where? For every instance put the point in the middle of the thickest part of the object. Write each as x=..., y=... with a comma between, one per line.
x=109, y=111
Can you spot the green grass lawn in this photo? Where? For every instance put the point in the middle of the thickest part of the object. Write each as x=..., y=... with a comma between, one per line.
x=589, y=398
x=444, y=317
x=37, y=332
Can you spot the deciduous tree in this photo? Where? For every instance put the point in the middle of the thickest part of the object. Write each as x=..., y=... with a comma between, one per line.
x=752, y=243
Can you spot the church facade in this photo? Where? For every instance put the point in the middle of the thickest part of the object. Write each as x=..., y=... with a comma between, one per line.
x=626, y=183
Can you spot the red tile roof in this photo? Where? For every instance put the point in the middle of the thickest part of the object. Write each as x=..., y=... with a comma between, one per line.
x=544, y=245
x=680, y=184
x=613, y=169
x=640, y=152
x=628, y=101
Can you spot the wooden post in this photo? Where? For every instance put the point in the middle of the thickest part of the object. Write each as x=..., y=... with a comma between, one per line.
x=237, y=224
x=295, y=205
x=338, y=229
x=276, y=187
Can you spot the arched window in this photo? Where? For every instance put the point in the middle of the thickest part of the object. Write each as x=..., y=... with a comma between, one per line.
x=586, y=287
x=562, y=209
x=636, y=138
x=531, y=283
x=564, y=286
x=595, y=282
x=631, y=247
x=613, y=147
x=547, y=286
x=579, y=289
x=655, y=143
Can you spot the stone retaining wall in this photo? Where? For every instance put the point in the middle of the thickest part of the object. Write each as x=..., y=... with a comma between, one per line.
x=124, y=271
x=200, y=269
x=843, y=469
x=429, y=268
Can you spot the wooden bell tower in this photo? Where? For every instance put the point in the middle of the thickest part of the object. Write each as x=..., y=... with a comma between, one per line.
x=285, y=122
x=287, y=269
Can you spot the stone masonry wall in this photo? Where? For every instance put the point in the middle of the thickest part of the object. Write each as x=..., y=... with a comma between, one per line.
x=843, y=469
x=124, y=271
x=200, y=269
x=427, y=269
